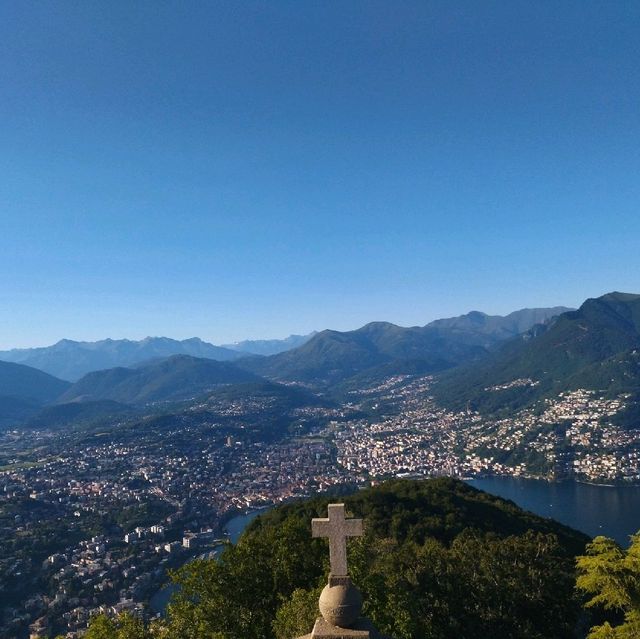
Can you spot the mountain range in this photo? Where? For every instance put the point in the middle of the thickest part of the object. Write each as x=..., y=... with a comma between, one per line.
x=595, y=347
x=70, y=360
x=175, y=378
x=324, y=360
x=332, y=356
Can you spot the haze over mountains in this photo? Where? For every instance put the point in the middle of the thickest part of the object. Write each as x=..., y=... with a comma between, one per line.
x=17, y=380
x=269, y=346
x=378, y=348
x=70, y=360
x=488, y=363
x=23, y=390
x=174, y=378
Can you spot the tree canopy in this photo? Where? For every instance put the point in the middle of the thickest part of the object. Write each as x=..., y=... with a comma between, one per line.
x=611, y=576
x=439, y=559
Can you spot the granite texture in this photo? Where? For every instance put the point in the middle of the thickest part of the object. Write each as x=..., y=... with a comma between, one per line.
x=337, y=529
x=340, y=602
x=362, y=629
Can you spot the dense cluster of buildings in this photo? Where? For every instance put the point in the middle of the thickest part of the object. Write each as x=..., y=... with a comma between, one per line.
x=573, y=435
x=113, y=511
x=159, y=496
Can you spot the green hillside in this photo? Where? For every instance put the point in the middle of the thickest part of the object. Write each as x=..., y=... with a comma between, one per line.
x=77, y=413
x=284, y=396
x=24, y=382
x=594, y=347
x=174, y=378
x=439, y=560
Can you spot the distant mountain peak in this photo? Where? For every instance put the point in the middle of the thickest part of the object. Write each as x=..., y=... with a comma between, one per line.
x=477, y=317
x=70, y=360
x=378, y=325
x=617, y=296
x=268, y=347
x=332, y=356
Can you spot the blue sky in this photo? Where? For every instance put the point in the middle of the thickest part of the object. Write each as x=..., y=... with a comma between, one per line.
x=252, y=169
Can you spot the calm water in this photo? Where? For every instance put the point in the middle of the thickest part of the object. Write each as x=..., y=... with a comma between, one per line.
x=595, y=510
x=235, y=528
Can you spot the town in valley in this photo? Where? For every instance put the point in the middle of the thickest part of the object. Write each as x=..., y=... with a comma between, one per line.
x=92, y=519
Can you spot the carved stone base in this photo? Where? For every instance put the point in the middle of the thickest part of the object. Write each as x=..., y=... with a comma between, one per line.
x=340, y=602
x=362, y=629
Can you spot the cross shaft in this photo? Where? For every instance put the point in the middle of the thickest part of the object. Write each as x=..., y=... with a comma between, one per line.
x=337, y=529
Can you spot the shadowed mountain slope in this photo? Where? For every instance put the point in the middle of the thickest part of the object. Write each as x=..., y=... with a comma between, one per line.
x=175, y=378
x=332, y=356
x=14, y=410
x=60, y=415
x=19, y=381
x=595, y=347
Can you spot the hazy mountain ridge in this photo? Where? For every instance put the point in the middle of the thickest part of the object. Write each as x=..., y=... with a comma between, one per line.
x=20, y=381
x=498, y=327
x=24, y=390
x=332, y=356
x=175, y=378
x=70, y=360
x=269, y=346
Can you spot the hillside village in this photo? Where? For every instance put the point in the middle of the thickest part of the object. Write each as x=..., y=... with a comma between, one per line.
x=176, y=486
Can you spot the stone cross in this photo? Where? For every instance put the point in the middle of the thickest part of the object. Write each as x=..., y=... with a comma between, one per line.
x=337, y=529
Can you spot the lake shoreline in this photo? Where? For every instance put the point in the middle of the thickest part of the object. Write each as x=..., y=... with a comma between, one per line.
x=232, y=529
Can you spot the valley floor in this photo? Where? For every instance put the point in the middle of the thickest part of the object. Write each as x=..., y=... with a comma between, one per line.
x=91, y=520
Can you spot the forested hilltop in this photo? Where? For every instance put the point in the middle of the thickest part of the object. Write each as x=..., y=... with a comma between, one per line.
x=439, y=560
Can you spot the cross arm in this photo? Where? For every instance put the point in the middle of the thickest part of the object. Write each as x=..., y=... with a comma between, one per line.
x=320, y=527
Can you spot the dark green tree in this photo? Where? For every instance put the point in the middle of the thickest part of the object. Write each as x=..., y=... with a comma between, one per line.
x=611, y=576
x=439, y=560
x=125, y=626
x=297, y=615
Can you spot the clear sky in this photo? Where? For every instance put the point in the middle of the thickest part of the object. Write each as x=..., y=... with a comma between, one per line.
x=251, y=169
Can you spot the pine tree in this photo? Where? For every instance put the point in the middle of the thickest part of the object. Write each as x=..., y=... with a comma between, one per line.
x=612, y=576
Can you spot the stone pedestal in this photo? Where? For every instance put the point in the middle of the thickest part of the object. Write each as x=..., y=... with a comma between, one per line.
x=340, y=605
x=362, y=629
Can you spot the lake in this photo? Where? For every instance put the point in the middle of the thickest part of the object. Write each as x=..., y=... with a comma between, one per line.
x=234, y=528
x=613, y=511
